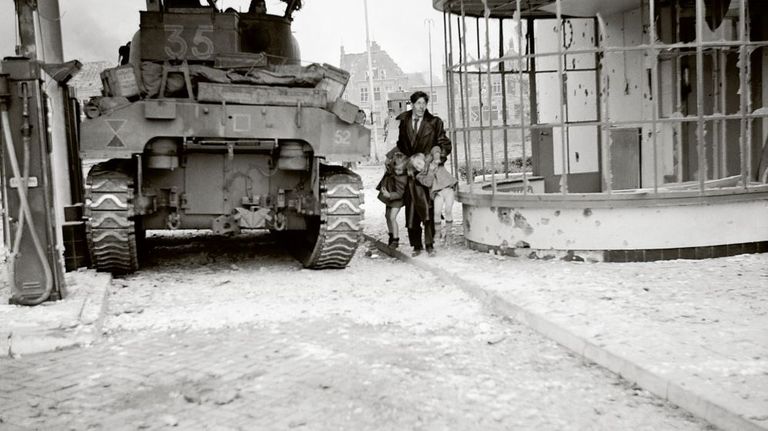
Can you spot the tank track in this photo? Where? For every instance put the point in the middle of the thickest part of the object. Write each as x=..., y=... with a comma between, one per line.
x=339, y=231
x=110, y=227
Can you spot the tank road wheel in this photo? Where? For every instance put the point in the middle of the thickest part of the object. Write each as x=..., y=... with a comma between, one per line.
x=110, y=227
x=331, y=239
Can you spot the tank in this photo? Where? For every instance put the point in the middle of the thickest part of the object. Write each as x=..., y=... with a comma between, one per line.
x=213, y=123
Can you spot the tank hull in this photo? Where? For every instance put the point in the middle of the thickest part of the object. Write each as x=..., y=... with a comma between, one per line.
x=214, y=124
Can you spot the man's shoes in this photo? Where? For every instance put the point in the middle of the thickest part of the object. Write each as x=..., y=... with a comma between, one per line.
x=431, y=252
x=415, y=252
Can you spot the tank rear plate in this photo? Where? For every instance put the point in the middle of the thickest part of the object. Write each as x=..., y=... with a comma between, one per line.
x=204, y=183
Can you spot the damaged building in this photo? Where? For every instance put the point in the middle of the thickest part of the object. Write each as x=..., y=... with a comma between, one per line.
x=626, y=130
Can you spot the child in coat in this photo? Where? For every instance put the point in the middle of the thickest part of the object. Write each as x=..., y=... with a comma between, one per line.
x=420, y=211
x=441, y=185
x=391, y=190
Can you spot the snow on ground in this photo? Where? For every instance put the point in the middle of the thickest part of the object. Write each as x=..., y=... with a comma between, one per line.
x=702, y=321
x=704, y=318
x=269, y=286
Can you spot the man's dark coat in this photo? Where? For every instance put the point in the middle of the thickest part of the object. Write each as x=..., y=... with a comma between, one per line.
x=431, y=133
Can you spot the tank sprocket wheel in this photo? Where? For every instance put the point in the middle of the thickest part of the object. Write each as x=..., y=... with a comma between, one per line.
x=332, y=238
x=110, y=226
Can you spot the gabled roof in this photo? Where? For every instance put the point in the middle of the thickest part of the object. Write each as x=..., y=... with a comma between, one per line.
x=357, y=64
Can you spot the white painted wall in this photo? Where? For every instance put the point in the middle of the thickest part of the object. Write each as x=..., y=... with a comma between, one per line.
x=575, y=227
x=629, y=92
x=582, y=149
x=626, y=90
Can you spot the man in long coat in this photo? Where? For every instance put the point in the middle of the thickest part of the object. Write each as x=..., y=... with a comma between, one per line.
x=419, y=132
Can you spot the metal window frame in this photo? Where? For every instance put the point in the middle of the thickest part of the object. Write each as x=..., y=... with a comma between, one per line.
x=652, y=47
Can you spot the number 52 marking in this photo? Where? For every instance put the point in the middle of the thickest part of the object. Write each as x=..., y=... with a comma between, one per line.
x=342, y=137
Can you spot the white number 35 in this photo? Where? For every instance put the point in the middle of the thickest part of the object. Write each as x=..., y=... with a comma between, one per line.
x=176, y=45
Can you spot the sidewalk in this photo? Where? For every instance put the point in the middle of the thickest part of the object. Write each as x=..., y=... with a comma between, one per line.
x=75, y=320
x=694, y=332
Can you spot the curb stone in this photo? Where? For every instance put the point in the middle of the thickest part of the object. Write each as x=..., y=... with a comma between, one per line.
x=81, y=323
x=718, y=414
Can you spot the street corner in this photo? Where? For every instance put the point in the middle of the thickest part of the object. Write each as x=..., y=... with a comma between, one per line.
x=73, y=321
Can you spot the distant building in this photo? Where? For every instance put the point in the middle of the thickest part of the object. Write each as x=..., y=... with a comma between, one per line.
x=474, y=90
x=388, y=77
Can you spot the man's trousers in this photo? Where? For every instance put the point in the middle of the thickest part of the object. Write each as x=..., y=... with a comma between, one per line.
x=414, y=233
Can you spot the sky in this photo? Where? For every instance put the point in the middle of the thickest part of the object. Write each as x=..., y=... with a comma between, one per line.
x=94, y=29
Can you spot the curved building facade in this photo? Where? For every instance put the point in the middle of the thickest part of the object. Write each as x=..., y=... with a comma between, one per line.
x=610, y=130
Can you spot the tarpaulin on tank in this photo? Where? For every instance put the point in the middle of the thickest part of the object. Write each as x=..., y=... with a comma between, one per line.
x=288, y=76
x=285, y=76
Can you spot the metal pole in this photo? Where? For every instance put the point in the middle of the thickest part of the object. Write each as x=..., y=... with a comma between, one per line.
x=654, y=95
x=449, y=90
x=748, y=89
x=462, y=85
x=519, y=24
x=468, y=136
x=50, y=31
x=502, y=73
x=722, y=58
x=702, y=156
x=744, y=85
x=27, y=42
x=530, y=38
x=718, y=144
x=561, y=75
x=370, y=88
x=680, y=171
x=429, y=23
x=49, y=19
x=480, y=99
x=487, y=14
x=599, y=110
x=605, y=133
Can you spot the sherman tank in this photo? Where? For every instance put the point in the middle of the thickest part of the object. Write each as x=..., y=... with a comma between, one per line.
x=212, y=122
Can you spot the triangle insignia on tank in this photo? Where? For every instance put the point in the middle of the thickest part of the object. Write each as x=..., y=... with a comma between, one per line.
x=116, y=142
x=115, y=126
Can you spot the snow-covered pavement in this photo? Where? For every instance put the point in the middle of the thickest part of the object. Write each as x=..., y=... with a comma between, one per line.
x=702, y=324
x=231, y=333
x=219, y=333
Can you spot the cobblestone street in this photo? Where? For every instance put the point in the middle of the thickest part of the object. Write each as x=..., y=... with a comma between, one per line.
x=248, y=340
